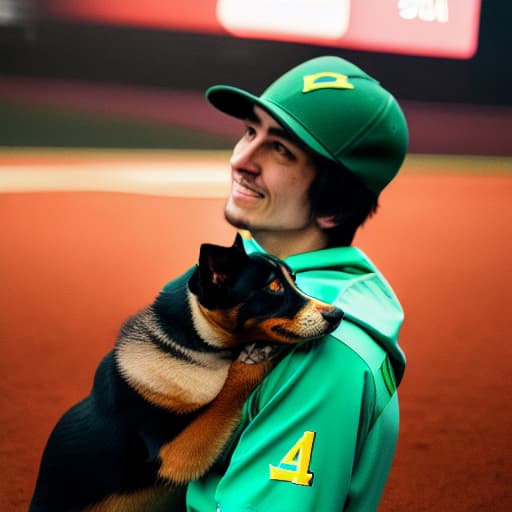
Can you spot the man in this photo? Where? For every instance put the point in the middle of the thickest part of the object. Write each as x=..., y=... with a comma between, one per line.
x=319, y=434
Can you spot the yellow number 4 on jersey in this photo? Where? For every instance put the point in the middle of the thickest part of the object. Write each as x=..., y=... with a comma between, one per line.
x=298, y=458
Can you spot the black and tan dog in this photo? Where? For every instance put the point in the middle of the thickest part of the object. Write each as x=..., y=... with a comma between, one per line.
x=167, y=399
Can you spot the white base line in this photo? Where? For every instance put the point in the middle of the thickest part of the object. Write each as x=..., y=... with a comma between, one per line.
x=180, y=177
x=169, y=173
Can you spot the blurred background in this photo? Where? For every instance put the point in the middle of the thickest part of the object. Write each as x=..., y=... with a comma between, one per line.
x=113, y=169
x=126, y=74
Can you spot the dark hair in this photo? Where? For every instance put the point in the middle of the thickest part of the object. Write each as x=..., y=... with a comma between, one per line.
x=338, y=192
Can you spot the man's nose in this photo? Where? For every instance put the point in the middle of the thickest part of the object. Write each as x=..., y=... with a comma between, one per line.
x=245, y=157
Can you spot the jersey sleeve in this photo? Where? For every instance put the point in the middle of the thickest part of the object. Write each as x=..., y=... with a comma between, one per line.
x=374, y=462
x=303, y=431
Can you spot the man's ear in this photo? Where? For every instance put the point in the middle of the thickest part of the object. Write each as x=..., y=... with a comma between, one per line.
x=326, y=221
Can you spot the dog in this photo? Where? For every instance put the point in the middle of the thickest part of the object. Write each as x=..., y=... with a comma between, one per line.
x=167, y=399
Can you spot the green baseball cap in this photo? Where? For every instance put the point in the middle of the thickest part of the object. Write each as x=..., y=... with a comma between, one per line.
x=336, y=110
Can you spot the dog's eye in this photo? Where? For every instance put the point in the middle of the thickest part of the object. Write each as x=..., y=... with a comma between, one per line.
x=275, y=286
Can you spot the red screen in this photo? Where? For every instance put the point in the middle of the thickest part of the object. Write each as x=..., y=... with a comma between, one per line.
x=440, y=28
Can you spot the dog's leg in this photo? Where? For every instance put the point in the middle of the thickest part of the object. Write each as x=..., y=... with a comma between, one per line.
x=195, y=449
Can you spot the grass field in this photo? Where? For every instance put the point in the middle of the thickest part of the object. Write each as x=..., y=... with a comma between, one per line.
x=77, y=259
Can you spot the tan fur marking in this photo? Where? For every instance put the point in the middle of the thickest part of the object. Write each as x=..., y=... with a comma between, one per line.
x=214, y=326
x=224, y=322
x=168, y=382
x=308, y=323
x=194, y=450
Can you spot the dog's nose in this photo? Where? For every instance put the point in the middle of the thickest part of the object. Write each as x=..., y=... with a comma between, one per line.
x=332, y=315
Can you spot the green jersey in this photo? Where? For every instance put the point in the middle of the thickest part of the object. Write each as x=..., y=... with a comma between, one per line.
x=319, y=434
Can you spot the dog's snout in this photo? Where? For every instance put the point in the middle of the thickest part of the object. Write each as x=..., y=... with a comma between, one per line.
x=332, y=315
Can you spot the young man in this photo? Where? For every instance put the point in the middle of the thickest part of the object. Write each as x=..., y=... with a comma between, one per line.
x=319, y=434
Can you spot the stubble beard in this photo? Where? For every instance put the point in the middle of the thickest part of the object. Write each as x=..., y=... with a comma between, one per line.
x=235, y=221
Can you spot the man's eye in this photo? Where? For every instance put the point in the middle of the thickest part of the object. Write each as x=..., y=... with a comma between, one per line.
x=280, y=148
x=250, y=132
x=275, y=286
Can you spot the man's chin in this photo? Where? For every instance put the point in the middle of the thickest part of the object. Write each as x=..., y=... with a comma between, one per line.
x=236, y=221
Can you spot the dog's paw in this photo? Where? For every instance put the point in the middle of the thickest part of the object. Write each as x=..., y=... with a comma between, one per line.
x=256, y=353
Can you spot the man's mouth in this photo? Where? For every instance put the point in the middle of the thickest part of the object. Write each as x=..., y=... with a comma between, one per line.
x=240, y=188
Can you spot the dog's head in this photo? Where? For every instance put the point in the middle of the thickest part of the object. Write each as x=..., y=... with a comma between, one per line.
x=242, y=298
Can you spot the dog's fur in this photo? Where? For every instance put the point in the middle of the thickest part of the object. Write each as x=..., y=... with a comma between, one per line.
x=168, y=397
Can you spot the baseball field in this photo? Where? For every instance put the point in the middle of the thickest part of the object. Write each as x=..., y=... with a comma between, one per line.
x=87, y=239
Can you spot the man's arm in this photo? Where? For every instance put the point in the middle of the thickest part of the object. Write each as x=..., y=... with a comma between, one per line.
x=303, y=429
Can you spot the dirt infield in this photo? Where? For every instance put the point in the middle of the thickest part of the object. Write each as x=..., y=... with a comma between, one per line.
x=74, y=265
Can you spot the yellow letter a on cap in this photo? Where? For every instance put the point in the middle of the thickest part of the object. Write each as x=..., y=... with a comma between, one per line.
x=326, y=80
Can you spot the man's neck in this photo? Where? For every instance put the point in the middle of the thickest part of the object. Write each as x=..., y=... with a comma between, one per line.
x=285, y=243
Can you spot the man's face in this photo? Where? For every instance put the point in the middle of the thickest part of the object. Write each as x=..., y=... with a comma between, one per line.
x=270, y=179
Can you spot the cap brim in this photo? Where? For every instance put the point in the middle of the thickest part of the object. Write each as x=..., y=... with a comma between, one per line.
x=239, y=103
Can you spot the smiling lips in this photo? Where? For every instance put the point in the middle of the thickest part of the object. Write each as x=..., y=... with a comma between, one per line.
x=242, y=191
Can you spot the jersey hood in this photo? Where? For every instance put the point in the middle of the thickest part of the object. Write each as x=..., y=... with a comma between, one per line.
x=345, y=277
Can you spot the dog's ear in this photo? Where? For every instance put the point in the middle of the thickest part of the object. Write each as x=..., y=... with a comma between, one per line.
x=239, y=242
x=219, y=266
